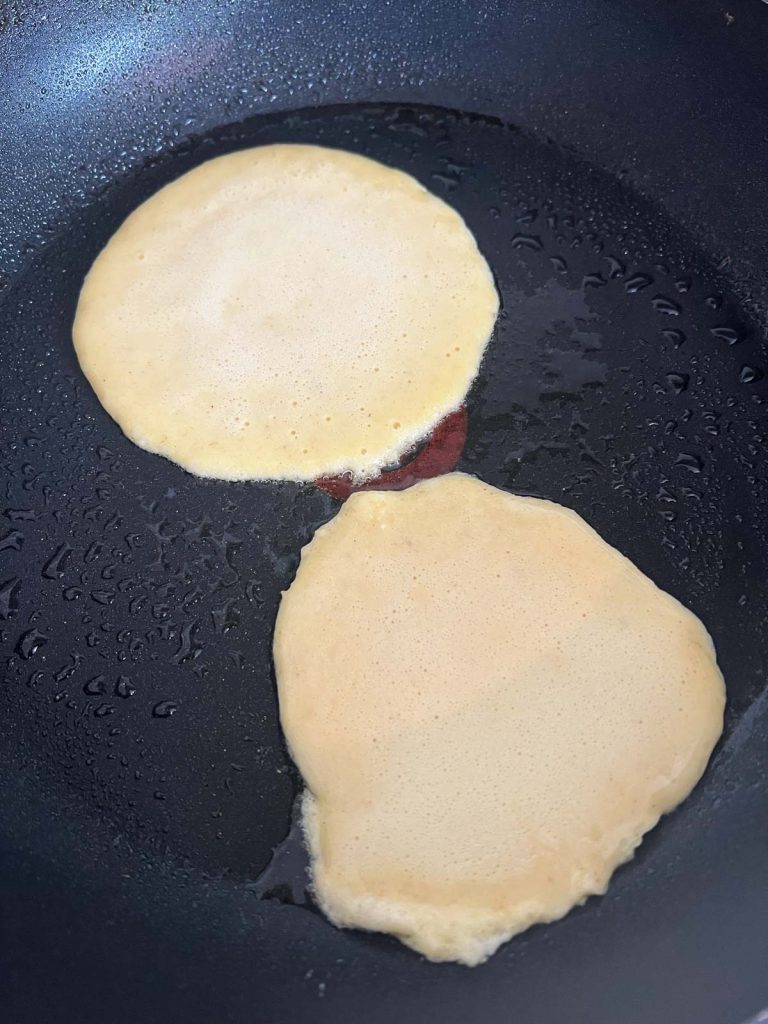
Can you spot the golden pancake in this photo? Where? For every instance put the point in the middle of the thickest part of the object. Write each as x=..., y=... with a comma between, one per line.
x=489, y=706
x=285, y=312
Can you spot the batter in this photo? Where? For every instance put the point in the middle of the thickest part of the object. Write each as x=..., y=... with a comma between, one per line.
x=489, y=706
x=286, y=311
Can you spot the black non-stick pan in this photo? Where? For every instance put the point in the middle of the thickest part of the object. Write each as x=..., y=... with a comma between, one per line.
x=612, y=159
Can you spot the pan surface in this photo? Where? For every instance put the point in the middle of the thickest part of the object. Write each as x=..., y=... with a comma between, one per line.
x=145, y=783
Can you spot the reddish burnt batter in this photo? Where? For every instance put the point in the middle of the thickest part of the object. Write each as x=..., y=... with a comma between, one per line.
x=438, y=455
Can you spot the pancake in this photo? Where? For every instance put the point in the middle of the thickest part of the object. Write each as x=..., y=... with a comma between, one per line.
x=489, y=706
x=285, y=312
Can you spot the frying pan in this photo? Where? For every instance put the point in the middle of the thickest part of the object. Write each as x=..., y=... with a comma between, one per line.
x=612, y=160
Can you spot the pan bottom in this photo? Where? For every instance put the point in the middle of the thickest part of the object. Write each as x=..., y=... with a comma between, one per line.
x=137, y=602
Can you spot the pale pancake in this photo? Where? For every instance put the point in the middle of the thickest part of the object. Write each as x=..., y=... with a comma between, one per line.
x=489, y=706
x=285, y=312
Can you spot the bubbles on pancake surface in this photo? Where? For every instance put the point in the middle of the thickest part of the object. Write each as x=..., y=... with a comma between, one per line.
x=295, y=289
x=489, y=706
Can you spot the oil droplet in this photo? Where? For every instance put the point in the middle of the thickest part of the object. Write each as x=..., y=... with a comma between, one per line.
x=673, y=336
x=12, y=541
x=94, y=686
x=225, y=617
x=188, y=650
x=526, y=242
x=559, y=264
x=727, y=334
x=20, y=515
x=54, y=567
x=68, y=670
x=678, y=382
x=30, y=643
x=593, y=281
x=124, y=687
x=686, y=460
x=664, y=305
x=164, y=709
x=9, y=592
x=448, y=181
x=636, y=283
x=750, y=374
x=615, y=267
